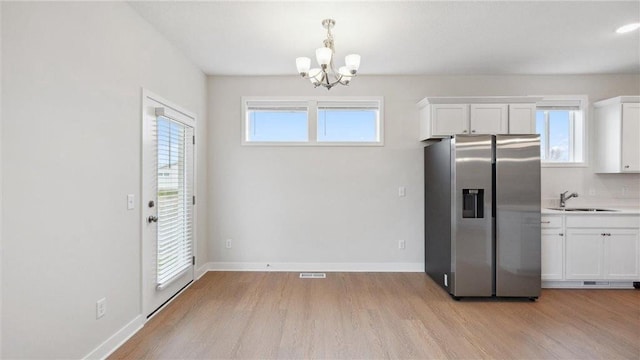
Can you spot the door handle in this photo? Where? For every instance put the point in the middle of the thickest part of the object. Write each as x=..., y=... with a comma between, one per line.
x=152, y=218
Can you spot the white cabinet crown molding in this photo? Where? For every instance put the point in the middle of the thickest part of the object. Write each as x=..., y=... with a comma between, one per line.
x=479, y=100
x=617, y=100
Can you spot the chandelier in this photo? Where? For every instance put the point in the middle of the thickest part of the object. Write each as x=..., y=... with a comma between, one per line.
x=326, y=75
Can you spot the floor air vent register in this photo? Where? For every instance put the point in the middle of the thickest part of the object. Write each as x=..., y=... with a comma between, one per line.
x=313, y=275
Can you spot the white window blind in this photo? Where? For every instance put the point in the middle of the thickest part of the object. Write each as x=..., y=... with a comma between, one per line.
x=348, y=121
x=174, y=199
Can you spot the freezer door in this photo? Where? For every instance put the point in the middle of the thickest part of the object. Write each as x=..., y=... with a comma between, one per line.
x=471, y=238
x=518, y=215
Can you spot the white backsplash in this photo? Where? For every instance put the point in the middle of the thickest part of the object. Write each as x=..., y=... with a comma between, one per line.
x=621, y=190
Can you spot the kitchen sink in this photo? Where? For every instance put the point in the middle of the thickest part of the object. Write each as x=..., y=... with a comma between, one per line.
x=581, y=209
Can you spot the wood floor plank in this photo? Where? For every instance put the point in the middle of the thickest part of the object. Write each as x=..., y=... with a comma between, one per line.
x=272, y=315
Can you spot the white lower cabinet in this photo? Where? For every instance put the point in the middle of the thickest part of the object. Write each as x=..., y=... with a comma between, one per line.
x=584, y=254
x=621, y=249
x=552, y=248
x=602, y=254
x=583, y=251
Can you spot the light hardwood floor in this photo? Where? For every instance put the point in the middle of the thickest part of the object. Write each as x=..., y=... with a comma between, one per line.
x=268, y=315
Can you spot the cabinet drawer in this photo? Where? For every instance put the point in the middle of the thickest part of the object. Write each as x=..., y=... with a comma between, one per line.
x=603, y=221
x=550, y=222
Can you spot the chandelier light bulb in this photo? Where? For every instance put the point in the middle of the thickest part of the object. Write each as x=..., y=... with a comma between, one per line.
x=303, y=64
x=323, y=55
x=316, y=76
x=352, y=62
x=345, y=75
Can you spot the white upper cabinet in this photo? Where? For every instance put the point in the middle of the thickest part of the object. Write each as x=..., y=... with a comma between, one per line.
x=450, y=119
x=630, y=141
x=489, y=119
x=446, y=116
x=617, y=125
x=522, y=118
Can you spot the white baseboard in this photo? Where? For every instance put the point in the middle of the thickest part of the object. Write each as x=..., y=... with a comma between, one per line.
x=325, y=267
x=116, y=340
x=201, y=271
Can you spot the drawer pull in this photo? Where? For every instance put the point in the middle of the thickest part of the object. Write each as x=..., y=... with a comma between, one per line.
x=545, y=222
x=561, y=234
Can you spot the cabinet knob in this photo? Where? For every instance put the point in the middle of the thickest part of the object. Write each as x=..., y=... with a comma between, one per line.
x=626, y=166
x=464, y=131
x=473, y=131
x=561, y=234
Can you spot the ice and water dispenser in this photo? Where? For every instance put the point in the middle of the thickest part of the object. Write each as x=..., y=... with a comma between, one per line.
x=472, y=203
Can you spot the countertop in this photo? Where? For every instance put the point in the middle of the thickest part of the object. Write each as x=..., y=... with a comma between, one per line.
x=617, y=211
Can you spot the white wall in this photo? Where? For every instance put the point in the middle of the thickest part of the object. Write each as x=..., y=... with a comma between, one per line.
x=1, y=201
x=291, y=206
x=71, y=141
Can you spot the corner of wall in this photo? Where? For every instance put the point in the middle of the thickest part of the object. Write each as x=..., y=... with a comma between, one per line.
x=1, y=4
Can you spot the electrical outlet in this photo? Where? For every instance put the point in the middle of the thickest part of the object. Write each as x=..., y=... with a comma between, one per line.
x=228, y=244
x=401, y=244
x=131, y=202
x=101, y=308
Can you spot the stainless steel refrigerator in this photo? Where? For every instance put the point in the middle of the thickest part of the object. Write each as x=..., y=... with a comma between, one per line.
x=482, y=215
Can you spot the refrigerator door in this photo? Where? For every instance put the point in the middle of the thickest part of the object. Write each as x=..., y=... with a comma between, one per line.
x=471, y=230
x=518, y=215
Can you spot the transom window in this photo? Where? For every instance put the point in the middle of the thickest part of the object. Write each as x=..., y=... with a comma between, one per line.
x=561, y=125
x=312, y=121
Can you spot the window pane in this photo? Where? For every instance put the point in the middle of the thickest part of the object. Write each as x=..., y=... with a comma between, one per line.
x=347, y=125
x=278, y=126
x=559, y=135
x=174, y=235
x=540, y=129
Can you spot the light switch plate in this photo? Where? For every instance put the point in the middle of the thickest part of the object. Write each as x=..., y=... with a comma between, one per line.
x=131, y=198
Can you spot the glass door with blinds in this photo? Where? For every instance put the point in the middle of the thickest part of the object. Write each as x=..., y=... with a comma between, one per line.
x=168, y=204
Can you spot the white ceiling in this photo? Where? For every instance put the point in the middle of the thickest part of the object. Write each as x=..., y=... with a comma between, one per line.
x=404, y=37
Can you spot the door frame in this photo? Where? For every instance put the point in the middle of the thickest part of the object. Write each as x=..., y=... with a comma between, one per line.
x=146, y=98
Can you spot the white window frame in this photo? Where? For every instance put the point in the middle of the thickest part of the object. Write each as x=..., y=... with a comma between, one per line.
x=560, y=101
x=312, y=119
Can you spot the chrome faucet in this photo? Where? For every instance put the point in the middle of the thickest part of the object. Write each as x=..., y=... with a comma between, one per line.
x=564, y=198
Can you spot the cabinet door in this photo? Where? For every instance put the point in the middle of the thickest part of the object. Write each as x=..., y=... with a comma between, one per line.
x=449, y=119
x=584, y=254
x=522, y=118
x=621, y=249
x=489, y=119
x=552, y=254
x=630, y=143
